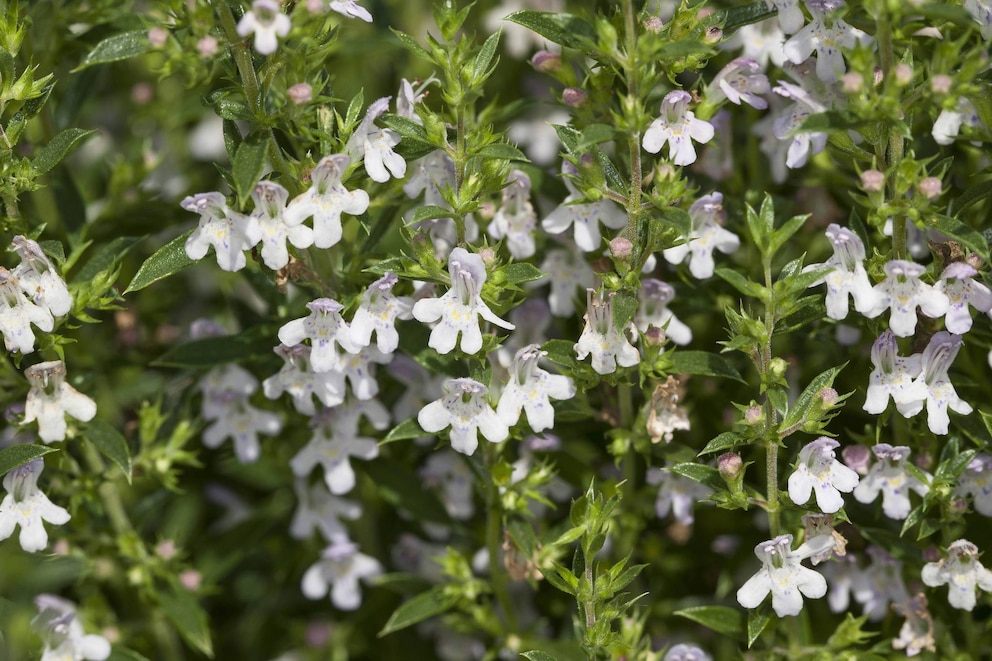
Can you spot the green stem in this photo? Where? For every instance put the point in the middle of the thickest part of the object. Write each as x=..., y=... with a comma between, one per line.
x=895, y=144
x=771, y=418
x=494, y=526
x=632, y=110
x=113, y=505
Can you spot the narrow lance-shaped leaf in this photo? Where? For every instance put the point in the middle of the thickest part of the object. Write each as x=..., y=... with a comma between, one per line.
x=18, y=455
x=167, y=260
x=425, y=605
x=117, y=47
x=52, y=154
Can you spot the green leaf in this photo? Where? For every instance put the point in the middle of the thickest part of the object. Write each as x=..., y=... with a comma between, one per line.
x=561, y=578
x=538, y=655
x=502, y=151
x=425, y=605
x=565, y=29
x=53, y=249
x=413, y=45
x=402, y=487
x=703, y=363
x=167, y=260
x=724, y=441
x=972, y=195
x=521, y=272
x=522, y=533
x=106, y=258
x=721, y=619
x=118, y=47
x=757, y=621
x=428, y=212
x=56, y=150
x=211, y=351
x=18, y=455
x=797, y=413
x=742, y=284
x=699, y=473
x=407, y=128
x=483, y=61
x=118, y=653
x=569, y=536
x=561, y=352
x=624, y=306
x=249, y=161
x=404, y=431
x=949, y=470
x=182, y=609
x=960, y=232
x=761, y=223
x=737, y=17
x=111, y=444
x=785, y=232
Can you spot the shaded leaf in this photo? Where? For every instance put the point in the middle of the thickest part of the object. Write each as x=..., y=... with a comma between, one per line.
x=404, y=431
x=521, y=272
x=249, y=161
x=402, y=487
x=18, y=455
x=425, y=605
x=757, y=621
x=565, y=29
x=106, y=258
x=703, y=363
x=721, y=619
x=211, y=351
x=167, y=260
x=538, y=655
x=724, y=441
x=502, y=151
x=182, y=609
x=111, y=444
x=117, y=47
x=52, y=154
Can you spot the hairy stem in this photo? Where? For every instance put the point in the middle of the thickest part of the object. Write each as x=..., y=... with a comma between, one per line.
x=895, y=144
x=632, y=106
x=771, y=418
x=494, y=526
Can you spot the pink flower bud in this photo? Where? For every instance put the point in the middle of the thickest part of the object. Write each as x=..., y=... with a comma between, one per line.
x=941, y=84
x=574, y=97
x=653, y=24
x=931, y=187
x=546, y=61
x=852, y=82
x=621, y=248
x=872, y=181
x=729, y=464
x=157, y=37
x=190, y=579
x=904, y=74
x=300, y=93
x=857, y=458
x=207, y=46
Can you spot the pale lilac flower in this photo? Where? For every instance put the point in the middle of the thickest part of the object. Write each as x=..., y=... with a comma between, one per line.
x=339, y=570
x=302, y=382
x=961, y=572
x=819, y=471
x=409, y=96
x=981, y=11
x=359, y=371
x=742, y=80
x=783, y=575
x=676, y=494
x=351, y=9
x=65, y=639
x=654, y=297
x=375, y=145
x=916, y=633
x=466, y=410
x=50, y=399
x=333, y=450
x=890, y=477
x=267, y=22
x=460, y=307
x=958, y=283
x=378, y=313
x=242, y=423
x=827, y=36
x=786, y=126
x=17, y=313
x=894, y=376
x=716, y=162
x=326, y=200
x=763, y=42
x=565, y=270
x=27, y=506
x=419, y=386
x=844, y=577
x=537, y=136
x=880, y=584
x=705, y=236
x=515, y=220
x=38, y=278
x=902, y=291
x=530, y=390
x=678, y=127
x=583, y=217
x=848, y=277
x=948, y=123
x=229, y=232
x=319, y=508
x=608, y=345
x=940, y=394
x=790, y=15
x=445, y=469
x=221, y=385
x=683, y=652
x=976, y=481
x=326, y=330
x=274, y=227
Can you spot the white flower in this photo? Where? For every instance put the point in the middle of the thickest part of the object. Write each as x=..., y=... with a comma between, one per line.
x=705, y=236
x=320, y=509
x=431, y=174
x=981, y=11
x=962, y=572
x=601, y=338
x=38, y=278
x=326, y=331
x=826, y=36
x=65, y=639
x=762, y=42
x=916, y=633
x=50, y=399
x=229, y=232
x=298, y=378
x=742, y=80
x=819, y=471
x=27, y=506
x=683, y=652
x=676, y=494
x=447, y=470
x=359, y=371
x=351, y=9
x=894, y=375
x=515, y=220
x=957, y=282
x=948, y=123
x=375, y=145
x=584, y=217
x=880, y=584
x=378, y=313
x=787, y=126
x=267, y=22
x=340, y=566
x=531, y=390
x=890, y=477
x=976, y=481
x=275, y=228
x=848, y=276
x=326, y=200
x=242, y=423
x=222, y=385
x=790, y=15
x=665, y=416
x=566, y=270
x=677, y=126
x=940, y=394
x=333, y=449
x=783, y=575
x=466, y=410
x=17, y=314
x=902, y=291
x=655, y=296
x=460, y=307
x=408, y=97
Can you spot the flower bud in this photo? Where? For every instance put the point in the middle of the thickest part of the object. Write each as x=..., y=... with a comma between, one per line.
x=872, y=181
x=753, y=415
x=166, y=549
x=157, y=37
x=931, y=187
x=730, y=465
x=546, y=61
x=300, y=93
x=488, y=256
x=653, y=24
x=904, y=74
x=190, y=579
x=857, y=458
x=828, y=396
x=207, y=46
x=852, y=82
x=655, y=336
x=621, y=248
x=941, y=84
x=573, y=97
x=713, y=35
